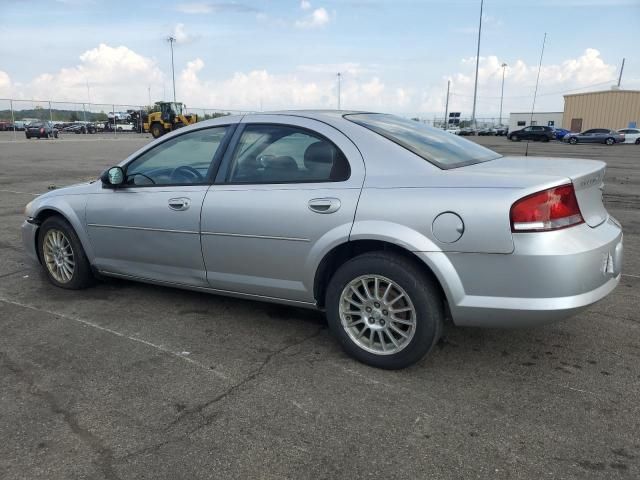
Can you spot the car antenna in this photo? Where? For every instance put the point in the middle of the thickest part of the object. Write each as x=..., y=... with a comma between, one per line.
x=535, y=93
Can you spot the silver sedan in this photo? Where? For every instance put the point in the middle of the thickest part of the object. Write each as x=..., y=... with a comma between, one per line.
x=390, y=226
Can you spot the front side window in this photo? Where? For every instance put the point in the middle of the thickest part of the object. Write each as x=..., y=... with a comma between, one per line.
x=434, y=145
x=284, y=154
x=184, y=159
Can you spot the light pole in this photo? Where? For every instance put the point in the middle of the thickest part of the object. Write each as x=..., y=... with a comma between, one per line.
x=171, y=40
x=475, y=88
x=504, y=66
x=339, y=75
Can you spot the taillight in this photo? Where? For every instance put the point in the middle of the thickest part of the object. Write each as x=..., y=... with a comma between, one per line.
x=42, y=130
x=547, y=210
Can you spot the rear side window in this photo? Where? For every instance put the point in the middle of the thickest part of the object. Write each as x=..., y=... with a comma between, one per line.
x=436, y=146
x=285, y=154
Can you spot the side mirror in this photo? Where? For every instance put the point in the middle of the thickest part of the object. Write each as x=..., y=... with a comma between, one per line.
x=113, y=177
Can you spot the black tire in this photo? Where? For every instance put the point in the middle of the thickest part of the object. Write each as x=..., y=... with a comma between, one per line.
x=423, y=292
x=514, y=138
x=637, y=141
x=82, y=275
x=545, y=139
x=157, y=130
x=610, y=141
x=573, y=140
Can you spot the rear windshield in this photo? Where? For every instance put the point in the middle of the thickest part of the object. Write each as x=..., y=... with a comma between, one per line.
x=443, y=149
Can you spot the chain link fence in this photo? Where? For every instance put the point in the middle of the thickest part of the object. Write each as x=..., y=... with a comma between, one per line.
x=86, y=118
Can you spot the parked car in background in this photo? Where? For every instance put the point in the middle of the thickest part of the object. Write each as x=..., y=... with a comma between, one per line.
x=5, y=125
x=595, y=135
x=487, y=132
x=19, y=125
x=455, y=131
x=561, y=132
x=467, y=131
x=502, y=131
x=277, y=207
x=41, y=130
x=533, y=132
x=80, y=127
x=631, y=135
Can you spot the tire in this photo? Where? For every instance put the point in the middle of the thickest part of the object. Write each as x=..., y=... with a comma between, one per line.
x=610, y=141
x=412, y=290
x=514, y=138
x=573, y=140
x=55, y=232
x=637, y=141
x=157, y=130
x=545, y=139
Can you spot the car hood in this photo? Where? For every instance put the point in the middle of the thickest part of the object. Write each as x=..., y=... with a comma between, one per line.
x=75, y=189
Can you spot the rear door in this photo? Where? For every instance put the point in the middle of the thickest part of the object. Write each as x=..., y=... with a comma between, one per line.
x=285, y=195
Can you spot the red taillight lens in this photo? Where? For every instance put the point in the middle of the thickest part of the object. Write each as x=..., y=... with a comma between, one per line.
x=547, y=210
x=42, y=130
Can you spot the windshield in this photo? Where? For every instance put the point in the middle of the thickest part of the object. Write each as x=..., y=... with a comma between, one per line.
x=439, y=147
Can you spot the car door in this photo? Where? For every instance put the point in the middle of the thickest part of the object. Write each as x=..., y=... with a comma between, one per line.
x=285, y=195
x=150, y=227
x=527, y=133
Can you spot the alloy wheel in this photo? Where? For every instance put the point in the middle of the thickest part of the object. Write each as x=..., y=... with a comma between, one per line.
x=377, y=314
x=58, y=255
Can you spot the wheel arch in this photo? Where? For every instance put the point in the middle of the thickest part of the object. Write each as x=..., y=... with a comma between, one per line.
x=69, y=215
x=344, y=252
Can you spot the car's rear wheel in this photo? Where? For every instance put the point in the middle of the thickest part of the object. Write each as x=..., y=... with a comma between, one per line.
x=610, y=141
x=384, y=310
x=545, y=139
x=637, y=141
x=62, y=255
x=573, y=140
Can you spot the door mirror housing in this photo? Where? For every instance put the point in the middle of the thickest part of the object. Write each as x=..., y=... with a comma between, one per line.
x=113, y=177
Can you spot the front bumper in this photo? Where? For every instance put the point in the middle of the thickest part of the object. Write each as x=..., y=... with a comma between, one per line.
x=548, y=277
x=29, y=237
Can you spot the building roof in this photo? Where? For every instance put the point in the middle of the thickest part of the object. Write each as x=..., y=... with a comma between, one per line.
x=599, y=92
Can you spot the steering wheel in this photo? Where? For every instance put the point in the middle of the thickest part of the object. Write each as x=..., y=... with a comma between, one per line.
x=185, y=171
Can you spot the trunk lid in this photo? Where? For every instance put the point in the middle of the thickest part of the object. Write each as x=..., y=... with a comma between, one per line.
x=587, y=177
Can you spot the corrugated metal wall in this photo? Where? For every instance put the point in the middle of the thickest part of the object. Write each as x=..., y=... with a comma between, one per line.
x=609, y=109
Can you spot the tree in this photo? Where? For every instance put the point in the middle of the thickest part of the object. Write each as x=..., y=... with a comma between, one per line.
x=73, y=117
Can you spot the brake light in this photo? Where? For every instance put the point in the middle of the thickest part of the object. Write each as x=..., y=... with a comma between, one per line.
x=42, y=130
x=550, y=209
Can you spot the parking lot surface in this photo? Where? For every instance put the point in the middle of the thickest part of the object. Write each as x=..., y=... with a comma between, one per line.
x=132, y=381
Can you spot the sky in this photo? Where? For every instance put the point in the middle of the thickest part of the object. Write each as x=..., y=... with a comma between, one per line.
x=393, y=56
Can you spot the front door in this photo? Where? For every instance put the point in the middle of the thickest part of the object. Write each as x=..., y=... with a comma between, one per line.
x=150, y=227
x=289, y=193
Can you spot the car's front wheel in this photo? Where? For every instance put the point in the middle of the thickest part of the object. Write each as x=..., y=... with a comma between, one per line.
x=62, y=255
x=384, y=310
x=610, y=141
x=637, y=141
x=573, y=140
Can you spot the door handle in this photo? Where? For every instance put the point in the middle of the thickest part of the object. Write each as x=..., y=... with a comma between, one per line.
x=324, y=205
x=179, y=204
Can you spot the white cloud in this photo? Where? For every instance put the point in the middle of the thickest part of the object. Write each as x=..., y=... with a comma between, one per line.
x=318, y=18
x=305, y=4
x=588, y=71
x=182, y=36
x=118, y=74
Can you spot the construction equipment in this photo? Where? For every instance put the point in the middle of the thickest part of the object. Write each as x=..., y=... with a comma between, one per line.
x=167, y=116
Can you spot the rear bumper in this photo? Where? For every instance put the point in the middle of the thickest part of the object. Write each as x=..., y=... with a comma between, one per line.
x=29, y=233
x=548, y=277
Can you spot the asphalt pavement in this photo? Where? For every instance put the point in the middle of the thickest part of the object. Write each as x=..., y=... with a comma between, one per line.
x=132, y=381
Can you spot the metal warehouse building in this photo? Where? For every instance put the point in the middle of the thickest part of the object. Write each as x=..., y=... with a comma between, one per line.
x=612, y=109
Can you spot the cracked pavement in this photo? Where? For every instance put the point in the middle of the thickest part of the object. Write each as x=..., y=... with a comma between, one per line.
x=132, y=381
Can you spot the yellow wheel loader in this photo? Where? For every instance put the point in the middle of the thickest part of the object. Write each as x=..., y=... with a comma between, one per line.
x=167, y=116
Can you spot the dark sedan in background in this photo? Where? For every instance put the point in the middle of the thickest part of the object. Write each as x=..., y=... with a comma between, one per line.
x=534, y=132
x=595, y=135
x=40, y=130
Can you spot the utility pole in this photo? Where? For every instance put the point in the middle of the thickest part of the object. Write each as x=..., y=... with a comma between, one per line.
x=446, y=108
x=171, y=41
x=149, y=92
x=475, y=88
x=339, y=78
x=621, y=70
x=504, y=66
